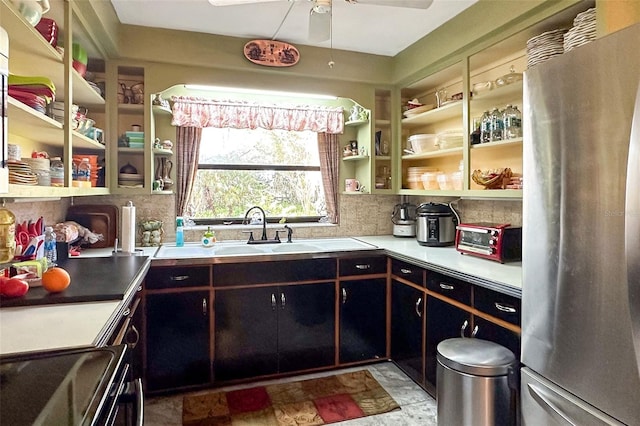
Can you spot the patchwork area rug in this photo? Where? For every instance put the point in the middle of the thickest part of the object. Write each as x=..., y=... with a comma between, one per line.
x=304, y=403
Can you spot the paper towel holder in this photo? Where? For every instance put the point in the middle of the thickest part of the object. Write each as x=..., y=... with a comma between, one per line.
x=118, y=252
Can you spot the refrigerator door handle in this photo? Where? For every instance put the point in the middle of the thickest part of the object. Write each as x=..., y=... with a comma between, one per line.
x=632, y=227
x=545, y=401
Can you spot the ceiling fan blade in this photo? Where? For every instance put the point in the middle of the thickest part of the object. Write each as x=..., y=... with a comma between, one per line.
x=319, y=26
x=414, y=4
x=237, y=2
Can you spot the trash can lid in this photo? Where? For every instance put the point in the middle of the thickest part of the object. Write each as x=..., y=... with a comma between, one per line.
x=475, y=356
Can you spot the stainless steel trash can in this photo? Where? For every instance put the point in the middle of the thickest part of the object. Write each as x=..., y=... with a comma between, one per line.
x=476, y=383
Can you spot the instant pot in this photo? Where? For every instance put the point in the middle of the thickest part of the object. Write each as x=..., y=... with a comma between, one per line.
x=436, y=224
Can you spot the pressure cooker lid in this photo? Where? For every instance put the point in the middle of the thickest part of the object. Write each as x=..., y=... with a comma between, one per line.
x=433, y=208
x=475, y=356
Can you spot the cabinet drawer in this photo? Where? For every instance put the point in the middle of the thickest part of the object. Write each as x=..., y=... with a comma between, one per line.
x=363, y=265
x=496, y=304
x=238, y=274
x=177, y=276
x=407, y=271
x=448, y=286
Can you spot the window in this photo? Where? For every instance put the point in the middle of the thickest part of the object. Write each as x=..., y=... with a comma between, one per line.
x=277, y=170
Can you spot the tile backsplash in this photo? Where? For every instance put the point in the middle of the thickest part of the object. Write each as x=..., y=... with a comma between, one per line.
x=359, y=214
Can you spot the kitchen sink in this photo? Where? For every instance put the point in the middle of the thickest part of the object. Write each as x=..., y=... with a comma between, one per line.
x=240, y=248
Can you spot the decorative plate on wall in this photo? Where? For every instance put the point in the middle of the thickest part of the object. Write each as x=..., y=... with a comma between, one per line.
x=271, y=53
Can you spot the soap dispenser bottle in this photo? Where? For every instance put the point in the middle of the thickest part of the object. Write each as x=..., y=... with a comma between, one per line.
x=208, y=238
x=179, y=232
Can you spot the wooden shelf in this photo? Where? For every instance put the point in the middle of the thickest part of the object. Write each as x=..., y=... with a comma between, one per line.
x=498, y=97
x=383, y=123
x=355, y=123
x=127, y=150
x=26, y=121
x=29, y=191
x=157, y=109
x=452, y=110
x=434, y=154
x=162, y=152
x=497, y=144
x=355, y=158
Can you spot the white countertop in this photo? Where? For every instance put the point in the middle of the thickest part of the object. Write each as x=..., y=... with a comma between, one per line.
x=506, y=277
x=58, y=326
x=48, y=327
x=38, y=328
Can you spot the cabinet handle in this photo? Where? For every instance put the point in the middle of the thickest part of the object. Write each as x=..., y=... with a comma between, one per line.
x=418, y=303
x=363, y=266
x=463, y=328
x=405, y=271
x=344, y=295
x=475, y=331
x=126, y=312
x=505, y=308
x=204, y=306
x=446, y=286
x=179, y=278
x=283, y=300
x=273, y=302
x=132, y=343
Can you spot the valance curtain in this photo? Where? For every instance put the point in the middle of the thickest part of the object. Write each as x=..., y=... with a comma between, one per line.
x=199, y=112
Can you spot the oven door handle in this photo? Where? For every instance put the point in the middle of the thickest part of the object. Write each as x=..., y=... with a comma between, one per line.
x=139, y=402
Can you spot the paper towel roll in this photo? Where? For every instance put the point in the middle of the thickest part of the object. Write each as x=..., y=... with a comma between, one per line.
x=128, y=228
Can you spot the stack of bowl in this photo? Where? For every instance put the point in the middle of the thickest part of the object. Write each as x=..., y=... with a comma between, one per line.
x=40, y=166
x=414, y=176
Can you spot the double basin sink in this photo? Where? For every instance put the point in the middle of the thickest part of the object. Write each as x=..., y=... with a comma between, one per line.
x=241, y=248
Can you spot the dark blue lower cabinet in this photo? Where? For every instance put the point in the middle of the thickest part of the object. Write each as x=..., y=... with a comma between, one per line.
x=407, y=329
x=177, y=340
x=274, y=329
x=363, y=320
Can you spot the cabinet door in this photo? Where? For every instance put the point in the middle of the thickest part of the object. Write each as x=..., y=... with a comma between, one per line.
x=407, y=322
x=177, y=339
x=363, y=319
x=444, y=321
x=306, y=326
x=246, y=336
x=495, y=333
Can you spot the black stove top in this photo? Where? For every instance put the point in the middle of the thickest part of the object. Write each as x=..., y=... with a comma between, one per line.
x=57, y=388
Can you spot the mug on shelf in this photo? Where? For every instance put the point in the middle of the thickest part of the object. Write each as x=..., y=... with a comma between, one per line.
x=351, y=185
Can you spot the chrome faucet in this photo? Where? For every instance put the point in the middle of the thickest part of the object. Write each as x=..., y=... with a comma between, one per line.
x=264, y=222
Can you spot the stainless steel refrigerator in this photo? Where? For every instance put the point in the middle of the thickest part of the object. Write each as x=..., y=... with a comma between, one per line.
x=581, y=236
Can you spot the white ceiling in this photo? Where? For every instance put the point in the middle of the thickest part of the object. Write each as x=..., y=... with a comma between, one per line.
x=381, y=30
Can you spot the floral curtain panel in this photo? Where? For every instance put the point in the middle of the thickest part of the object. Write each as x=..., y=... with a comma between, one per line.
x=200, y=112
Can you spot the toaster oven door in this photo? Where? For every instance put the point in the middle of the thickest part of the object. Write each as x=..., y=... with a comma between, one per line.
x=474, y=240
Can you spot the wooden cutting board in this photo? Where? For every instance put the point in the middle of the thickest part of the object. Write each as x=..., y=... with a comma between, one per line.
x=99, y=218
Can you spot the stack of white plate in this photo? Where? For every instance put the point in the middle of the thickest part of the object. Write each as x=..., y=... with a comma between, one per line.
x=583, y=30
x=41, y=168
x=20, y=173
x=130, y=180
x=545, y=46
x=414, y=176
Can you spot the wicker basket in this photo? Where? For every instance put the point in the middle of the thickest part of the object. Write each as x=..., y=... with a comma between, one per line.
x=492, y=179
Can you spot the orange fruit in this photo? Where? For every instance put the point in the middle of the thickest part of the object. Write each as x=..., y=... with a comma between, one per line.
x=55, y=280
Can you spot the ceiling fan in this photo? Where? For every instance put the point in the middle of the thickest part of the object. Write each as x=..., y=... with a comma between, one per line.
x=320, y=13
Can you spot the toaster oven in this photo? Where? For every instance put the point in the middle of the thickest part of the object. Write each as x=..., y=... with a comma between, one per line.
x=499, y=242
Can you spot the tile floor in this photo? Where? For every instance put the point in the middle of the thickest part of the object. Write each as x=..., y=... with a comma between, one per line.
x=417, y=408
